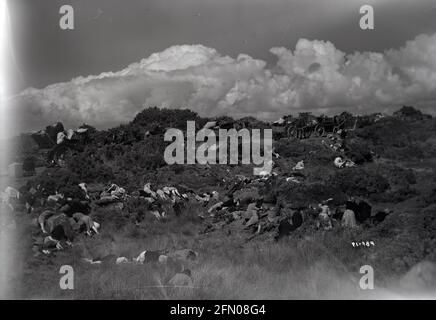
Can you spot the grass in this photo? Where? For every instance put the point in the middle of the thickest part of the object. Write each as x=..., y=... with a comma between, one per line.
x=292, y=269
x=323, y=265
x=309, y=265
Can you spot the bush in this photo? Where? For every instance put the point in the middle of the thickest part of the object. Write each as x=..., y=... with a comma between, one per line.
x=397, y=139
x=59, y=179
x=89, y=166
x=395, y=196
x=301, y=195
x=167, y=118
x=357, y=181
x=397, y=176
x=358, y=151
x=291, y=148
x=29, y=164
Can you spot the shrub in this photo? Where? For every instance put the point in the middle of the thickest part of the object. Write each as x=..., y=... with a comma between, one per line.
x=29, y=164
x=396, y=196
x=292, y=148
x=167, y=118
x=357, y=181
x=301, y=195
x=397, y=176
x=58, y=179
x=358, y=151
x=88, y=166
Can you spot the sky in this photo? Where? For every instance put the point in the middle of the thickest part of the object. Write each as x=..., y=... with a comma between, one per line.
x=263, y=58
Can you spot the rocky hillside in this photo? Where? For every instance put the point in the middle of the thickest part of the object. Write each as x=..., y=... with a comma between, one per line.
x=393, y=162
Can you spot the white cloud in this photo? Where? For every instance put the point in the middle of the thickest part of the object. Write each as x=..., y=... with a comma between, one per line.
x=315, y=76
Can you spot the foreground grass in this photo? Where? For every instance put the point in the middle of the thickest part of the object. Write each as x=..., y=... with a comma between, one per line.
x=309, y=265
x=292, y=269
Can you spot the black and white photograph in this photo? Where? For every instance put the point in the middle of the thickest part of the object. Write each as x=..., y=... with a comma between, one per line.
x=236, y=151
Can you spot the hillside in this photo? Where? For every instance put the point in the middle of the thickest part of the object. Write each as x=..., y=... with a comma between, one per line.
x=394, y=161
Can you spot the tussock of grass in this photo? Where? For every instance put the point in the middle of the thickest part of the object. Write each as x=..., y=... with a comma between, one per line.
x=323, y=265
x=286, y=270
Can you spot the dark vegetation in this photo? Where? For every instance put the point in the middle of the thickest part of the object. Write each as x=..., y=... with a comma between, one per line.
x=395, y=159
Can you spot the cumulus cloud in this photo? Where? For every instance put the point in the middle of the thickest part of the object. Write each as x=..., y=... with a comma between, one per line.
x=315, y=76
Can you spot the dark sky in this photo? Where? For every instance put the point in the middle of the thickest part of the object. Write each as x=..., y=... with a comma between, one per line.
x=110, y=34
